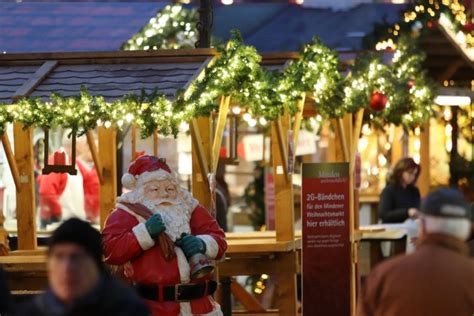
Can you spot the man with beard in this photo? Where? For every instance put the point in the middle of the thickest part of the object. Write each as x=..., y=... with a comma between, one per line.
x=155, y=228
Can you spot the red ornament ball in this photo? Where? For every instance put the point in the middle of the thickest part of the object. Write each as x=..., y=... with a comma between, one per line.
x=378, y=101
x=468, y=27
x=410, y=84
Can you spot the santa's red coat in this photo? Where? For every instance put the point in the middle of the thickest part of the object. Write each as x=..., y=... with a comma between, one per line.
x=146, y=265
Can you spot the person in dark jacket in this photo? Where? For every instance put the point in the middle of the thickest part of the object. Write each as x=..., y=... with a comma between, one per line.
x=400, y=199
x=437, y=279
x=79, y=283
x=6, y=303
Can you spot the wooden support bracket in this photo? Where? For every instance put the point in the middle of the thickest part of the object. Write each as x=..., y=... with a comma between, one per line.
x=11, y=160
x=282, y=146
x=343, y=139
x=297, y=123
x=95, y=156
x=248, y=301
x=356, y=135
x=219, y=131
x=197, y=140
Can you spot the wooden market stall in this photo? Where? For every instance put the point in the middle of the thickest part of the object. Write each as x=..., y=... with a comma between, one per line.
x=113, y=75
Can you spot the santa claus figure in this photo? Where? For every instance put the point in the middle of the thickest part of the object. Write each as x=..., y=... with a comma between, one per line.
x=156, y=227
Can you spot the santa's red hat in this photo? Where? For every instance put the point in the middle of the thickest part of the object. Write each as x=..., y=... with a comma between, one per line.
x=146, y=168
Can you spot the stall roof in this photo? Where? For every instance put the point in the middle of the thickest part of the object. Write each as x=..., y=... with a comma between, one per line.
x=108, y=74
x=59, y=27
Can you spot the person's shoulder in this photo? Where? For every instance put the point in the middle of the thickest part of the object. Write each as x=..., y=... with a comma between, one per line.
x=29, y=307
x=123, y=300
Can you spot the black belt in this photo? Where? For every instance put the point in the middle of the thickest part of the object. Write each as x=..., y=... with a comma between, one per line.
x=178, y=292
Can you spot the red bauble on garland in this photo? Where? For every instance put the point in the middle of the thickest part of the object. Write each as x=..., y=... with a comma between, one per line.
x=378, y=100
x=410, y=84
x=468, y=27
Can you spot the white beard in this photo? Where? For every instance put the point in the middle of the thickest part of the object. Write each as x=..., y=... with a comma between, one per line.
x=175, y=216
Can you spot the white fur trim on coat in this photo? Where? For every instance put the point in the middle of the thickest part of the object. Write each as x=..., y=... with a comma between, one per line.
x=212, y=248
x=155, y=175
x=183, y=266
x=185, y=309
x=143, y=237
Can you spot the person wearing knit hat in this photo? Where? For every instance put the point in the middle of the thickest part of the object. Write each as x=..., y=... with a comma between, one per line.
x=156, y=227
x=79, y=283
x=437, y=279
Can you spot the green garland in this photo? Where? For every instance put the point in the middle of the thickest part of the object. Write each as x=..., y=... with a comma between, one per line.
x=172, y=28
x=6, y=117
x=404, y=83
x=421, y=14
x=237, y=73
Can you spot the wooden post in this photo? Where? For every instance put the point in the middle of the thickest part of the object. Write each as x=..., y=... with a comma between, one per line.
x=201, y=155
x=397, y=145
x=134, y=142
x=284, y=212
x=424, y=180
x=155, y=143
x=108, y=160
x=25, y=197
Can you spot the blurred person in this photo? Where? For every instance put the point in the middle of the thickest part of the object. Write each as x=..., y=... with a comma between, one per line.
x=62, y=196
x=400, y=199
x=471, y=240
x=222, y=197
x=438, y=278
x=78, y=281
x=6, y=302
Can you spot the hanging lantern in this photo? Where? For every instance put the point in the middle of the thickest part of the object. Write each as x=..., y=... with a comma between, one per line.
x=378, y=101
x=59, y=157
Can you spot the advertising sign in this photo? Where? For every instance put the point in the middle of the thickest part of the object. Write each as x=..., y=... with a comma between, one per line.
x=326, y=246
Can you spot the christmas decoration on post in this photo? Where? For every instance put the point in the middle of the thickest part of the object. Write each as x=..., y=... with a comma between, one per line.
x=59, y=157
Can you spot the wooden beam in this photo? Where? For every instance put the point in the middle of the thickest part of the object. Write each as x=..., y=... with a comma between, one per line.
x=343, y=139
x=297, y=123
x=199, y=74
x=199, y=150
x=282, y=145
x=35, y=79
x=11, y=160
x=134, y=142
x=247, y=300
x=424, y=179
x=155, y=143
x=357, y=127
x=108, y=161
x=451, y=70
x=201, y=153
x=25, y=197
x=397, y=145
x=220, y=126
x=284, y=208
x=95, y=155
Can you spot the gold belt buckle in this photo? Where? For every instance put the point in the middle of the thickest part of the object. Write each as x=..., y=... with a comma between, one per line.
x=177, y=292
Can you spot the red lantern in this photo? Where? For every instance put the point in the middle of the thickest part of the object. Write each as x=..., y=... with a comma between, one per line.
x=59, y=158
x=378, y=100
